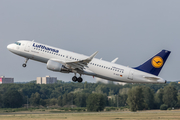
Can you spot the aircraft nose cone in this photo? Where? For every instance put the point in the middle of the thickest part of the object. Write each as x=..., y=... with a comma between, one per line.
x=9, y=47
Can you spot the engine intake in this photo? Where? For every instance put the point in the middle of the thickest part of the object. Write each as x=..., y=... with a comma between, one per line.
x=56, y=66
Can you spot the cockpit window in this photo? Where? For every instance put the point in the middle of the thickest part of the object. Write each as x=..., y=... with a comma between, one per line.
x=18, y=43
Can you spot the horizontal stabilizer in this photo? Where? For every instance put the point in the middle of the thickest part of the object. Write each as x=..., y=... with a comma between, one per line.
x=151, y=78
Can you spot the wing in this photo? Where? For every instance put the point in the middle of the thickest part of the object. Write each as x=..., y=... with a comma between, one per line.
x=77, y=64
x=82, y=63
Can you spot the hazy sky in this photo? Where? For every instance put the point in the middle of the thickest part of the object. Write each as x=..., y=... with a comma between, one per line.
x=133, y=30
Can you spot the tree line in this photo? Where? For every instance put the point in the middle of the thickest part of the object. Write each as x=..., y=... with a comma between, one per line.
x=93, y=96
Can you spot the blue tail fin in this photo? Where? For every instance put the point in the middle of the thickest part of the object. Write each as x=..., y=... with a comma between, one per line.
x=155, y=64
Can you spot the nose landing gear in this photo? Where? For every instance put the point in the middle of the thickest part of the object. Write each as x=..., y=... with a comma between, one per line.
x=25, y=64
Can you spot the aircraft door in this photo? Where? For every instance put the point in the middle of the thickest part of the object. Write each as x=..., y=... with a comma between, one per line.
x=131, y=72
x=27, y=47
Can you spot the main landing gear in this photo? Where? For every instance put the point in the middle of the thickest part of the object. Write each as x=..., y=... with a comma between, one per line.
x=24, y=65
x=79, y=79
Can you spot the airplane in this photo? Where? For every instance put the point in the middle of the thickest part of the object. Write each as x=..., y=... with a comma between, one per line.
x=64, y=61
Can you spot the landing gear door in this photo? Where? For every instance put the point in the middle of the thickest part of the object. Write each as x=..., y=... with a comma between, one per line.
x=27, y=47
x=131, y=72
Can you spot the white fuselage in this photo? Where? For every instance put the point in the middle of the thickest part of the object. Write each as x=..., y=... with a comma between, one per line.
x=97, y=68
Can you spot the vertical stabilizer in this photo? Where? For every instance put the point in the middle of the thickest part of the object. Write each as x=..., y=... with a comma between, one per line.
x=155, y=64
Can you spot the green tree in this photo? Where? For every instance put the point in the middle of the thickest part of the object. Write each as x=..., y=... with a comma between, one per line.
x=53, y=101
x=42, y=102
x=111, y=102
x=163, y=107
x=1, y=104
x=135, y=98
x=123, y=91
x=35, y=99
x=122, y=99
x=158, y=98
x=111, y=92
x=60, y=101
x=80, y=99
x=64, y=99
x=99, y=88
x=68, y=99
x=85, y=85
x=170, y=96
x=95, y=102
x=148, y=98
x=178, y=103
x=30, y=88
x=12, y=99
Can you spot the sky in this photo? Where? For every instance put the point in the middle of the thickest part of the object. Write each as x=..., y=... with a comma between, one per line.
x=132, y=30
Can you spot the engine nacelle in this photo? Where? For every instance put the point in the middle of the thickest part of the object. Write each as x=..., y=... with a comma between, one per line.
x=56, y=66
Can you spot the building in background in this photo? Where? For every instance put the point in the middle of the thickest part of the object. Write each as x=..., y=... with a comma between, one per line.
x=4, y=80
x=46, y=80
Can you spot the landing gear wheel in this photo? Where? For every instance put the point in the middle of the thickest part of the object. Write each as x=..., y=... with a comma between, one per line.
x=24, y=65
x=74, y=79
x=79, y=79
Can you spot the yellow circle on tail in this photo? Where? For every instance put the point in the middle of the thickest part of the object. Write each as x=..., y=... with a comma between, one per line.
x=157, y=62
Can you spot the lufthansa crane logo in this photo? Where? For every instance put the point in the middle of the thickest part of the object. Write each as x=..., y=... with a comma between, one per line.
x=157, y=62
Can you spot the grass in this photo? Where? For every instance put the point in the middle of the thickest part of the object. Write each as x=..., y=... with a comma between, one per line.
x=142, y=115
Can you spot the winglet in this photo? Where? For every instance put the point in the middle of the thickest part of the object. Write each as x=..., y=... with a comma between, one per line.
x=92, y=56
x=114, y=60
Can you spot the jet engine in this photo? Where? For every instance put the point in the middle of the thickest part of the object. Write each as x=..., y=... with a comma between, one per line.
x=56, y=66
